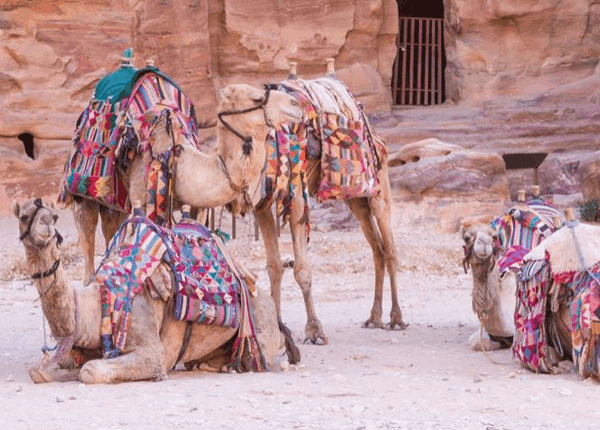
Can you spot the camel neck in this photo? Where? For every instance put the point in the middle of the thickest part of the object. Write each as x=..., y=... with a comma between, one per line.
x=200, y=180
x=55, y=294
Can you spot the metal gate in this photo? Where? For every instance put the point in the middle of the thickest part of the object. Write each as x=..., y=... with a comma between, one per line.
x=419, y=67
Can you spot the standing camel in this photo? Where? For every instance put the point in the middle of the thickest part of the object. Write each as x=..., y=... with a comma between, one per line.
x=155, y=340
x=373, y=213
x=201, y=180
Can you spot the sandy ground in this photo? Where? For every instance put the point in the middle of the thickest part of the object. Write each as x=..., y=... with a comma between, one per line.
x=425, y=377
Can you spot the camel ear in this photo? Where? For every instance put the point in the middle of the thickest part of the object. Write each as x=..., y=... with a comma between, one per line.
x=225, y=93
x=468, y=235
x=52, y=205
x=15, y=208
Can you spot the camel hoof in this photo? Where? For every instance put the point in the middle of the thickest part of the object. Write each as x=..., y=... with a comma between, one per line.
x=38, y=376
x=396, y=326
x=371, y=323
x=314, y=333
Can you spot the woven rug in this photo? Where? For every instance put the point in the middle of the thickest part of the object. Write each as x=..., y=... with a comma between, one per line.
x=531, y=339
x=207, y=290
x=110, y=130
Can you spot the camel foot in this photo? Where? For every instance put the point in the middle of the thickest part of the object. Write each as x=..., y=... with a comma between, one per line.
x=396, y=320
x=373, y=323
x=39, y=376
x=314, y=333
x=482, y=342
x=396, y=326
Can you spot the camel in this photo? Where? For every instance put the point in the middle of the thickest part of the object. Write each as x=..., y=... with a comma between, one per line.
x=493, y=297
x=373, y=213
x=558, y=302
x=201, y=180
x=155, y=338
x=494, y=287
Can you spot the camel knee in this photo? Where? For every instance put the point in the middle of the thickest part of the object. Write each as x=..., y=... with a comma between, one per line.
x=303, y=277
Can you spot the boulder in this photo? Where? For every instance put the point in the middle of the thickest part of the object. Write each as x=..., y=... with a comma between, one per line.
x=441, y=183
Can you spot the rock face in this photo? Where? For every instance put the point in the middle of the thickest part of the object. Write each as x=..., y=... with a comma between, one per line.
x=52, y=54
x=440, y=180
x=514, y=48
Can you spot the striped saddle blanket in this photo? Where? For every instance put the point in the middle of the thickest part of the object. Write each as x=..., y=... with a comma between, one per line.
x=117, y=121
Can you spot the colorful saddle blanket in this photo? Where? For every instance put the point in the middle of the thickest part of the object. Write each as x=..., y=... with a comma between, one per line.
x=535, y=331
x=207, y=288
x=522, y=228
x=334, y=130
x=116, y=119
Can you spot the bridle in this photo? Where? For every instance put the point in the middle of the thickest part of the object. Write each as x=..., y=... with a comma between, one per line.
x=247, y=146
x=59, y=239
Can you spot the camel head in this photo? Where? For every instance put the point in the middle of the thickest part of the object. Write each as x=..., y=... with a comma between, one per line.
x=479, y=244
x=246, y=115
x=165, y=130
x=37, y=222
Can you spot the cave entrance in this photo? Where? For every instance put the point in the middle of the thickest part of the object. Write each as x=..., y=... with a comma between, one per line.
x=418, y=78
x=28, y=144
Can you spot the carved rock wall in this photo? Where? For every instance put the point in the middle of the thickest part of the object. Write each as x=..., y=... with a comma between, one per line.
x=515, y=48
x=52, y=54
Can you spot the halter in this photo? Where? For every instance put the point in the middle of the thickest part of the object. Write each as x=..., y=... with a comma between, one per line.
x=59, y=239
x=38, y=205
x=247, y=146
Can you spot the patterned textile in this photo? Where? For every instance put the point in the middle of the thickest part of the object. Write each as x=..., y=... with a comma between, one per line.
x=512, y=259
x=530, y=341
x=585, y=319
x=108, y=127
x=523, y=227
x=137, y=253
x=90, y=168
x=350, y=156
x=286, y=168
x=207, y=289
x=158, y=192
x=347, y=169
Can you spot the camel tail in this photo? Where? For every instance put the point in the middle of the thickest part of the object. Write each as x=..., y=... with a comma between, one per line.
x=292, y=350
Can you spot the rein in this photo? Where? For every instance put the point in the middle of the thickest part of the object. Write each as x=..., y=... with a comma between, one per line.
x=247, y=147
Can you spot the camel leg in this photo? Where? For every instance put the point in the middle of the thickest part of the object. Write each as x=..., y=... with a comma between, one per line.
x=144, y=356
x=266, y=222
x=110, y=221
x=362, y=212
x=85, y=214
x=302, y=271
x=381, y=210
x=41, y=374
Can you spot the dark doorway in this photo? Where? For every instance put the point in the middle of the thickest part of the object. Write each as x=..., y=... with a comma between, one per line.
x=28, y=144
x=418, y=77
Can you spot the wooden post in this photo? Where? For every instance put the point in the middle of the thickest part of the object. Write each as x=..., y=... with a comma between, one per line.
x=536, y=180
x=521, y=195
x=535, y=190
x=149, y=63
x=212, y=219
x=569, y=214
x=293, y=71
x=233, y=226
x=255, y=229
x=557, y=221
x=330, y=68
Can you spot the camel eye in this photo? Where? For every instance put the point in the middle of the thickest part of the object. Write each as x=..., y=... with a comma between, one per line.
x=23, y=218
x=257, y=99
x=55, y=218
